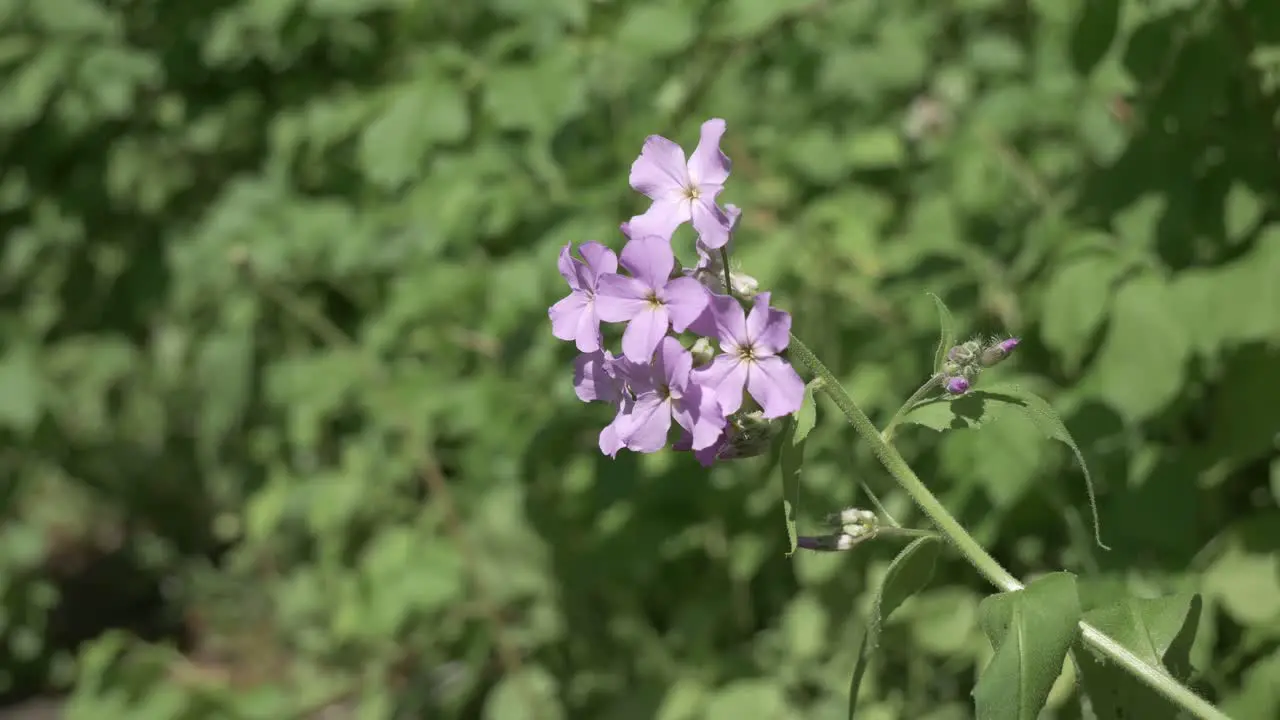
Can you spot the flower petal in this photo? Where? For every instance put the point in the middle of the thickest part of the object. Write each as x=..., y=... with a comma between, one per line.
x=725, y=377
x=708, y=164
x=699, y=413
x=662, y=218
x=645, y=330
x=776, y=386
x=649, y=424
x=566, y=315
x=730, y=322
x=567, y=266
x=600, y=259
x=649, y=259
x=587, y=336
x=674, y=363
x=768, y=328
x=592, y=381
x=620, y=298
x=660, y=169
x=609, y=441
x=710, y=221
x=685, y=299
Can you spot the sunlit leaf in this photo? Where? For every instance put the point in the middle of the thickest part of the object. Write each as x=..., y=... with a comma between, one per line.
x=1031, y=630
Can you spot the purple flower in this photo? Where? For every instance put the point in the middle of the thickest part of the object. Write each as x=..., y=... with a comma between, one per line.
x=600, y=377
x=651, y=301
x=707, y=456
x=683, y=191
x=749, y=347
x=670, y=392
x=575, y=317
x=957, y=385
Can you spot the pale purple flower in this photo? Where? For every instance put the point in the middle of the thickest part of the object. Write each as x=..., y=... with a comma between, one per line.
x=683, y=190
x=957, y=385
x=651, y=300
x=574, y=317
x=670, y=392
x=749, y=347
x=707, y=456
x=601, y=377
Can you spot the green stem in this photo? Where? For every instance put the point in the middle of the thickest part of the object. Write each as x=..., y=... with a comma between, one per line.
x=1154, y=677
x=728, y=282
x=916, y=397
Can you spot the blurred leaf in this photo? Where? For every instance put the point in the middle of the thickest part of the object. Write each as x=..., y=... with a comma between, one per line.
x=1031, y=630
x=529, y=694
x=21, y=387
x=1094, y=33
x=747, y=18
x=1142, y=363
x=755, y=698
x=1244, y=577
x=1242, y=212
x=908, y=574
x=876, y=148
x=1259, y=693
x=1075, y=304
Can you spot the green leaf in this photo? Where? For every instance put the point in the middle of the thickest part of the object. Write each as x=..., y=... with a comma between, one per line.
x=1259, y=692
x=1075, y=304
x=981, y=407
x=1160, y=631
x=1242, y=212
x=909, y=572
x=1094, y=33
x=1142, y=364
x=22, y=390
x=747, y=18
x=1031, y=630
x=876, y=148
x=792, y=459
x=946, y=332
x=530, y=694
x=753, y=698
x=1244, y=576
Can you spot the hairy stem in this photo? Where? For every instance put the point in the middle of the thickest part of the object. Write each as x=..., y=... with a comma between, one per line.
x=916, y=397
x=1154, y=677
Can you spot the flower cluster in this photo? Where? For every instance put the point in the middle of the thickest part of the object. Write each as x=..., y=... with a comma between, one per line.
x=657, y=380
x=965, y=362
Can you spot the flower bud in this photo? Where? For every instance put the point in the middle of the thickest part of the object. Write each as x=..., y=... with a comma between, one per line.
x=749, y=435
x=827, y=543
x=958, y=385
x=744, y=286
x=965, y=353
x=702, y=352
x=854, y=521
x=997, y=352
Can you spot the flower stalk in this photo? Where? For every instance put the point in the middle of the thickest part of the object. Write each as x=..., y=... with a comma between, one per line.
x=1153, y=677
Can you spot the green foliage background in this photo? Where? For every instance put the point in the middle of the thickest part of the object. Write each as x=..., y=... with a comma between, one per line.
x=278, y=393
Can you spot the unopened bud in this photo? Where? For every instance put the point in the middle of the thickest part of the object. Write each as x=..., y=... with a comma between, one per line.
x=702, y=352
x=958, y=385
x=852, y=518
x=744, y=286
x=965, y=353
x=994, y=354
x=749, y=435
x=827, y=543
